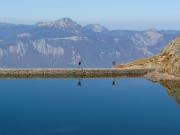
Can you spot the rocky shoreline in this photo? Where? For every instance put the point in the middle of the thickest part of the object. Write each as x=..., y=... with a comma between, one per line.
x=150, y=74
x=72, y=73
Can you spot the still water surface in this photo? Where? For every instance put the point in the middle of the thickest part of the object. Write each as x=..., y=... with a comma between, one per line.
x=87, y=107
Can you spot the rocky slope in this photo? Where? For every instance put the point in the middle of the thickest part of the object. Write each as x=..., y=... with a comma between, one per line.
x=168, y=61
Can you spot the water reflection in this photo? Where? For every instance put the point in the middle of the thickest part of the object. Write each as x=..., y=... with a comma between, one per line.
x=93, y=106
x=173, y=89
x=114, y=82
x=80, y=82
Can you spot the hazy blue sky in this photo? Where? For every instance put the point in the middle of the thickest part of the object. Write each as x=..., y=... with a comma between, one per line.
x=122, y=14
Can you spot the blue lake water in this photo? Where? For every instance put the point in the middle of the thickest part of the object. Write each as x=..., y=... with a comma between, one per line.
x=87, y=107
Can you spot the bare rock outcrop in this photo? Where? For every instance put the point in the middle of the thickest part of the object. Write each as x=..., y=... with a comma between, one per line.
x=168, y=61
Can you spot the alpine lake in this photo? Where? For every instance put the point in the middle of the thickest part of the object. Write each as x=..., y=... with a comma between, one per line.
x=89, y=106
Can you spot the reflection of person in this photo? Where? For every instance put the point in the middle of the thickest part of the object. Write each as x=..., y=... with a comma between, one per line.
x=79, y=83
x=114, y=82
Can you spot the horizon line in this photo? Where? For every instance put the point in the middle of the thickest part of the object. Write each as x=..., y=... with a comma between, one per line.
x=85, y=24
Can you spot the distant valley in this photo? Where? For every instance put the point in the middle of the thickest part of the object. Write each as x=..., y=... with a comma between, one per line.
x=63, y=43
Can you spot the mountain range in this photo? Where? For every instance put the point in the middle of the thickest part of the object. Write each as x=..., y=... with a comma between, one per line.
x=63, y=43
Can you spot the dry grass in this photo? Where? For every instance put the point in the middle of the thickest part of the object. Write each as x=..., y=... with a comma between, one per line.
x=168, y=61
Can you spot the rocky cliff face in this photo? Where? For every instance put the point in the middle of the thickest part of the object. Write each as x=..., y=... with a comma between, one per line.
x=168, y=61
x=171, y=55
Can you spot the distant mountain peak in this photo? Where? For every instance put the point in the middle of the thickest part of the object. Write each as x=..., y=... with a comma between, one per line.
x=61, y=23
x=149, y=37
x=151, y=32
x=96, y=28
x=66, y=19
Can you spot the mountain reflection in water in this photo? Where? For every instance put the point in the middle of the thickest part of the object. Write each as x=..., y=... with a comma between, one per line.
x=173, y=89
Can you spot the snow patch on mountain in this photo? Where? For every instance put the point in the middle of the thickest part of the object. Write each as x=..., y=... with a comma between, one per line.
x=95, y=28
x=116, y=40
x=72, y=38
x=61, y=23
x=23, y=35
x=64, y=24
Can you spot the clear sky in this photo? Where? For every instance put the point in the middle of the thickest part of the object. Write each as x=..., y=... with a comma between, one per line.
x=114, y=14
